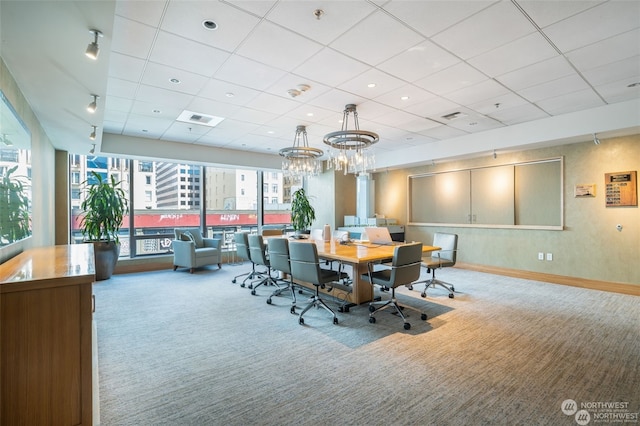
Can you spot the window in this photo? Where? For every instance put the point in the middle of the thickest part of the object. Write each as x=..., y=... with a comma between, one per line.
x=274, y=188
x=265, y=187
x=75, y=178
x=147, y=180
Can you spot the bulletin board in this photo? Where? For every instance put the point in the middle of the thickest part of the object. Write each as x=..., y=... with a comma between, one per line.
x=621, y=189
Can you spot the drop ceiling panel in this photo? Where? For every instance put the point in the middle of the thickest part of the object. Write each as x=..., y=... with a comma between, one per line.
x=419, y=61
x=245, y=72
x=369, y=41
x=434, y=108
x=610, y=50
x=256, y=7
x=595, y=24
x=405, y=96
x=223, y=91
x=383, y=82
x=336, y=99
x=194, y=57
x=525, y=51
x=542, y=72
x=476, y=34
x=121, y=88
x=162, y=97
x=432, y=17
x=161, y=75
x=451, y=79
x=252, y=116
x=561, y=86
x=337, y=17
x=502, y=102
x=615, y=71
x=132, y=38
x=487, y=89
x=210, y=107
x=545, y=13
x=125, y=67
x=185, y=19
x=570, y=102
x=272, y=45
x=518, y=114
x=330, y=67
x=271, y=103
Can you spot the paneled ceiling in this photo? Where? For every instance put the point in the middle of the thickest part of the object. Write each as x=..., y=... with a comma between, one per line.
x=407, y=65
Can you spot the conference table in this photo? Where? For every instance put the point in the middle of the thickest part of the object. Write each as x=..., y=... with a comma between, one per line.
x=357, y=255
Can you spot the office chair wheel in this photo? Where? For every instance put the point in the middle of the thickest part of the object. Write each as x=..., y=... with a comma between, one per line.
x=301, y=321
x=372, y=308
x=372, y=320
x=253, y=292
x=423, y=317
x=340, y=309
x=300, y=292
x=423, y=294
x=453, y=289
x=407, y=326
x=335, y=320
x=233, y=280
x=410, y=287
x=250, y=286
x=450, y=295
x=268, y=301
x=293, y=310
x=242, y=285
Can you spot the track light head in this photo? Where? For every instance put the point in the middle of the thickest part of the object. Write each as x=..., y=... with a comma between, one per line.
x=595, y=139
x=93, y=49
x=92, y=136
x=93, y=149
x=93, y=105
x=495, y=155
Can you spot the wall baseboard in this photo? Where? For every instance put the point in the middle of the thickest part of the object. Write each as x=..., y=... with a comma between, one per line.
x=613, y=287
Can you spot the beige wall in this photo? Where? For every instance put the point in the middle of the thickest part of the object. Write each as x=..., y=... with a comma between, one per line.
x=42, y=167
x=589, y=247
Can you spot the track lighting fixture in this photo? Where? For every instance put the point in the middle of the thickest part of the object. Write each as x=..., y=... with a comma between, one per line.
x=93, y=105
x=93, y=49
x=92, y=136
x=93, y=149
x=495, y=155
x=595, y=139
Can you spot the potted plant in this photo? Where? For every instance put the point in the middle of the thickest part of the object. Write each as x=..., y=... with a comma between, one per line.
x=14, y=208
x=302, y=212
x=103, y=211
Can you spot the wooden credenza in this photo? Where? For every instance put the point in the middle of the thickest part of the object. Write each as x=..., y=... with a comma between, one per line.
x=46, y=310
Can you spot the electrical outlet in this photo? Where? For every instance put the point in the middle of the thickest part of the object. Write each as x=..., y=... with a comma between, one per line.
x=540, y=256
x=549, y=256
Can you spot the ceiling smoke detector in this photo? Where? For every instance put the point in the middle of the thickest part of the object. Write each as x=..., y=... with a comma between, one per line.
x=299, y=90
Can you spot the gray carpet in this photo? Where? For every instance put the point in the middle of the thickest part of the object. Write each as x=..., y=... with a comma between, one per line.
x=181, y=349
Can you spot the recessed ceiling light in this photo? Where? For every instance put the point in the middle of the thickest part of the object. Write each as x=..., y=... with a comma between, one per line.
x=229, y=95
x=309, y=114
x=209, y=24
x=270, y=132
x=473, y=123
x=404, y=98
x=371, y=85
x=156, y=111
x=174, y=81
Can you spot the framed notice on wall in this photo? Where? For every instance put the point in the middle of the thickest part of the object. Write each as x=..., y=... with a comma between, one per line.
x=621, y=189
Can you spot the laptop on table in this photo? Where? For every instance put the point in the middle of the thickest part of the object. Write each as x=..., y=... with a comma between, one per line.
x=379, y=235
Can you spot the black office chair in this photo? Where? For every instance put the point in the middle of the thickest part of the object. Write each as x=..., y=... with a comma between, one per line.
x=242, y=251
x=258, y=252
x=444, y=258
x=279, y=259
x=305, y=266
x=404, y=269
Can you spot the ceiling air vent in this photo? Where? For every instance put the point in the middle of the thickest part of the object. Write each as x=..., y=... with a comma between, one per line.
x=454, y=115
x=199, y=118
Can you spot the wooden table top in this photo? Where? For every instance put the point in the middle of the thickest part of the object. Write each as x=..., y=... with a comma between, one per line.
x=358, y=252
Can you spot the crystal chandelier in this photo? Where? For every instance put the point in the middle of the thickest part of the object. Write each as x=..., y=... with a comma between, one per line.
x=300, y=159
x=348, y=147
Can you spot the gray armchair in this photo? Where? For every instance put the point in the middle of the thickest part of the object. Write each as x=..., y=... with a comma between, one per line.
x=191, y=250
